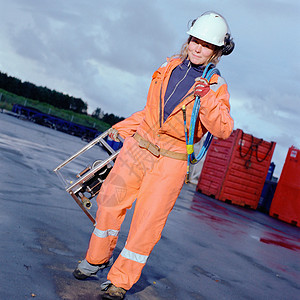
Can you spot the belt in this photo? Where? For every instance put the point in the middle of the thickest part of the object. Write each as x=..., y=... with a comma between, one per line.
x=157, y=151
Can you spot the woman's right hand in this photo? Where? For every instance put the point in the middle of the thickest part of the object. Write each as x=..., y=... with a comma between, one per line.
x=201, y=87
x=113, y=134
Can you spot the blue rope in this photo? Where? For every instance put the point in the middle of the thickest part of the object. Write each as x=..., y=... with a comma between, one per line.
x=208, y=72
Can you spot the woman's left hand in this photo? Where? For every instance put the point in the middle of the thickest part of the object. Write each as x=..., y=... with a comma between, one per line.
x=201, y=87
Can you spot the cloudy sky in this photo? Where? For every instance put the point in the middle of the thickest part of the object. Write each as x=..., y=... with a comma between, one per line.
x=105, y=52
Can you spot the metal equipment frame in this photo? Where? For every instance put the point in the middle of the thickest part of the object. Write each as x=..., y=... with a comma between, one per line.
x=90, y=179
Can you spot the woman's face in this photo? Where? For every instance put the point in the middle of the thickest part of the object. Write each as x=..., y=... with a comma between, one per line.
x=199, y=52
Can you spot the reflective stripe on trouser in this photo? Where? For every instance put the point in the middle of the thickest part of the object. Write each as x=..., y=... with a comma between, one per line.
x=155, y=183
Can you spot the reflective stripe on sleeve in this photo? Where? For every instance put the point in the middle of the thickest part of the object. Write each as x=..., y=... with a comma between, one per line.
x=105, y=233
x=220, y=82
x=134, y=256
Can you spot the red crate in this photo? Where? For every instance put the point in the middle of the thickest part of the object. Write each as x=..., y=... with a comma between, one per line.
x=286, y=201
x=235, y=169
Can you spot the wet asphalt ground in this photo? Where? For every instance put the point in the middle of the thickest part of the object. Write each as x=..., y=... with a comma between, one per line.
x=209, y=249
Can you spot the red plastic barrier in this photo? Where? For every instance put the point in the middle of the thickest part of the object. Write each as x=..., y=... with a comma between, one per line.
x=286, y=201
x=235, y=169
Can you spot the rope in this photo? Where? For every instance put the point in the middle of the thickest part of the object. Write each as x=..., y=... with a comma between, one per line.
x=208, y=72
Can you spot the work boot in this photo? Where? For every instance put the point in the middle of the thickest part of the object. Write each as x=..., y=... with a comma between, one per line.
x=85, y=269
x=113, y=292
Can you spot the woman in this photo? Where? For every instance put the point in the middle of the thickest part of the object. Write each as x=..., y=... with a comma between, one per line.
x=152, y=164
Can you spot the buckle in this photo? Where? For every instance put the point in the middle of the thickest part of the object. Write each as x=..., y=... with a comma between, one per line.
x=154, y=149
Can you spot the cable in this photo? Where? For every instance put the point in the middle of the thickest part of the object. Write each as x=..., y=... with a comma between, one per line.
x=208, y=72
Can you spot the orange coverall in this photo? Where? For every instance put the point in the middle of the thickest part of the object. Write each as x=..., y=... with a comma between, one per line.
x=153, y=181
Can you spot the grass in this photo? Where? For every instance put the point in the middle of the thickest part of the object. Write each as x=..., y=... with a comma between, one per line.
x=7, y=100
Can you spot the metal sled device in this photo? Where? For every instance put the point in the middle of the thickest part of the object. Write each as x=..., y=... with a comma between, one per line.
x=82, y=179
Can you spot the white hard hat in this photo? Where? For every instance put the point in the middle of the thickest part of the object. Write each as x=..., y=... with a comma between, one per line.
x=211, y=28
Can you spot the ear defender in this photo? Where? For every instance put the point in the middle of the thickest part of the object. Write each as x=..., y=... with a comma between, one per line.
x=228, y=45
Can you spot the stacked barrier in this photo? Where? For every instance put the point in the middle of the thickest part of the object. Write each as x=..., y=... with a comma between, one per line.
x=54, y=122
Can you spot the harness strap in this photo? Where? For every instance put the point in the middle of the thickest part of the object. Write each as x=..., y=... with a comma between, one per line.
x=157, y=151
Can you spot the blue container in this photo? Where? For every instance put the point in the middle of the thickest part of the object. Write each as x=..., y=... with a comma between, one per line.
x=267, y=195
x=267, y=191
x=271, y=171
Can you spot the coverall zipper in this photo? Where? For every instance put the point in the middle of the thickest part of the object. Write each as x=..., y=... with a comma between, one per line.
x=161, y=100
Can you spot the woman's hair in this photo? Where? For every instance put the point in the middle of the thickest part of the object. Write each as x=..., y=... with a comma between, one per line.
x=215, y=58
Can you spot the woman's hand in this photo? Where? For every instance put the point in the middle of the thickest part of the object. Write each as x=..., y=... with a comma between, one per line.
x=201, y=87
x=113, y=134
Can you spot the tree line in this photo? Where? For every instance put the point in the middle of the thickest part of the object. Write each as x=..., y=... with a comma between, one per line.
x=52, y=97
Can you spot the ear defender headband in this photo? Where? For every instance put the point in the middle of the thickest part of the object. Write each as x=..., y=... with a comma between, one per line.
x=228, y=45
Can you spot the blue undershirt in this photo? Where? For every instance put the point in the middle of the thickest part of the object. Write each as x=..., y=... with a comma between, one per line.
x=181, y=80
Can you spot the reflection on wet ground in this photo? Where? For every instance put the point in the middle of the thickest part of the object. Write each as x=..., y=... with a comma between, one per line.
x=209, y=249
